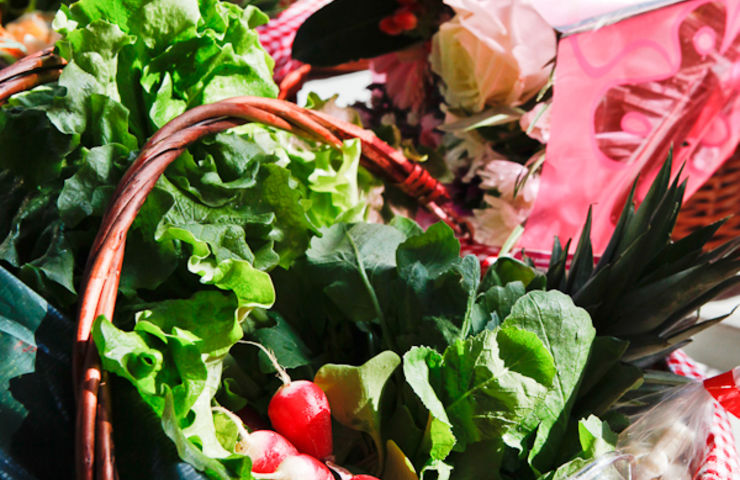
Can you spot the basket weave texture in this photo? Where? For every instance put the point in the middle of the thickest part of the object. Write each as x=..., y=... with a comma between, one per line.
x=94, y=455
x=93, y=435
x=718, y=199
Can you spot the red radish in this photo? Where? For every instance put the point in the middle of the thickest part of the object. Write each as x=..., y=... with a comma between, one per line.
x=266, y=449
x=345, y=474
x=299, y=467
x=300, y=412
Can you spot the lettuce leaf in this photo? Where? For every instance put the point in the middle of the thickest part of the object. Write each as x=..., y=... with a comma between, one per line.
x=174, y=358
x=398, y=287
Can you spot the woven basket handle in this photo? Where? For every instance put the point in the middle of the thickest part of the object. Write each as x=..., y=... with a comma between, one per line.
x=26, y=73
x=93, y=436
x=94, y=447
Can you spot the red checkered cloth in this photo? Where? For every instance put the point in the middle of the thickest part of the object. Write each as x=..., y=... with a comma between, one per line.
x=487, y=255
x=277, y=35
x=720, y=459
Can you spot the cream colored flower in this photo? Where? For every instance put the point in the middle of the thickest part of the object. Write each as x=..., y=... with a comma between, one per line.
x=509, y=207
x=492, y=52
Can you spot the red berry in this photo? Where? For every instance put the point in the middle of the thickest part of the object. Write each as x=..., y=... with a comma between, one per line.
x=389, y=26
x=405, y=19
x=300, y=412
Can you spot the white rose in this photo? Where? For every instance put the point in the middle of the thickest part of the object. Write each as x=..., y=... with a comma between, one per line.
x=492, y=52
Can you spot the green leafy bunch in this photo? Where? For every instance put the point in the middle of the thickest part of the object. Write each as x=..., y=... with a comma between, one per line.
x=230, y=208
x=467, y=377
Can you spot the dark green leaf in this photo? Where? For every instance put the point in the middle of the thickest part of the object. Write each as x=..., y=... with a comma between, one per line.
x=284, y=342
x=567, y=333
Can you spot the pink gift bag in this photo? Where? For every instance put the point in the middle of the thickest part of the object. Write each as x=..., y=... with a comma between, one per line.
x=624, y=96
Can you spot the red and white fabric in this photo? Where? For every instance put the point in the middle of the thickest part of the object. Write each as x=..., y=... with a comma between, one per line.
x=487, y=255
x=278, y=34
x=720, y=459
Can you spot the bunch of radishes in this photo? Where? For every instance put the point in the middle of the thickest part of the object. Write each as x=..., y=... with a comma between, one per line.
x=302, y=441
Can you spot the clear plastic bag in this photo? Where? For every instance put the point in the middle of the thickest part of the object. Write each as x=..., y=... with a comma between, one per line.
x=667, y=441
x=612, y=466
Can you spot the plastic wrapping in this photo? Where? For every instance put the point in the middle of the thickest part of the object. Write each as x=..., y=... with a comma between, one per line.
x=608, y=467
x=667, y=442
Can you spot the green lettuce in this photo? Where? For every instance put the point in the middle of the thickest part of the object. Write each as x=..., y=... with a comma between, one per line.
x=229, y=210
x=174, y=358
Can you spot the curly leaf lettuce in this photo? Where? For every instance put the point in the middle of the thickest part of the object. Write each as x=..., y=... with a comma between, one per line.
x=174, y=358
x=132, y=66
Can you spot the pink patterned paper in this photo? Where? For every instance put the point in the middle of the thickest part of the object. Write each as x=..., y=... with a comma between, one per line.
x=624, y=96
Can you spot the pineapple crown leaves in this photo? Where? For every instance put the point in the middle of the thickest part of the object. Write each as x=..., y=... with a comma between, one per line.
x=646, y=289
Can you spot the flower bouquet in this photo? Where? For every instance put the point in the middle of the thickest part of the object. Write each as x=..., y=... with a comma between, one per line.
x=238, y=317
x=523, y=105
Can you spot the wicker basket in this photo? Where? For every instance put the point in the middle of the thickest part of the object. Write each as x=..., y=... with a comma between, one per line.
x=94, y=444
x=94, y=447
x=718, y=199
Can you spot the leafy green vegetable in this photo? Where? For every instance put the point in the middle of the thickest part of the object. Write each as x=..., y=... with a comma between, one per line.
x=400, y=287
x=596, y=439
x=232, y=467
x=514, y=356
x=174, y=359
x=567, y=333
x=354, y=393
x=283, y=341
x=484, y=386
